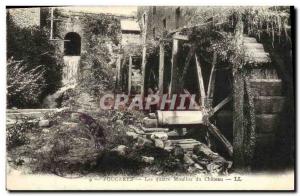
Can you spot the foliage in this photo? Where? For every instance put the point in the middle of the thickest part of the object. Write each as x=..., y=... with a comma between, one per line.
x=102, y=37
x=16, y=134
x=32, y=46
x=24, y=84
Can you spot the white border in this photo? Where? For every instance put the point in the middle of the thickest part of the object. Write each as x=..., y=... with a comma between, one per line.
x=3, y=3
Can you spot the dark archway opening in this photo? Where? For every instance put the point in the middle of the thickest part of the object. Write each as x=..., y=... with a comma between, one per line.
x=72, y=44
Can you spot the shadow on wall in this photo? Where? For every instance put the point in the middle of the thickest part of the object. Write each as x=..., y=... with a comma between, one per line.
x=72, y=44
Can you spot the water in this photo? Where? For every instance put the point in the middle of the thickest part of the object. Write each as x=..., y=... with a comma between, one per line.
x=69, y=80
x=70, y=70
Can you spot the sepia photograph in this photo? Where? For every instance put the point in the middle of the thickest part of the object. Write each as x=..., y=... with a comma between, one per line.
x=150, y=98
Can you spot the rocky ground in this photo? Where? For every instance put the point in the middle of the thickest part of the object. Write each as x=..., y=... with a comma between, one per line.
x=81, y=140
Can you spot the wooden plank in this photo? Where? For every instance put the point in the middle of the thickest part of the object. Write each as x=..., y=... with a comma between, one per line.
x=154, y=129
x=181, y=37
x=161, y=68
x=51, y=23
x=179, y=117
x=222, y=103
x=129, y=74
x=143, y=70
x=174, y=68
x=216, y=132
x=200, y=80
x=212, y=78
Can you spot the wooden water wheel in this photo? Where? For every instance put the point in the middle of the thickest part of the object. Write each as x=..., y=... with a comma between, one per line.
x=216, y=112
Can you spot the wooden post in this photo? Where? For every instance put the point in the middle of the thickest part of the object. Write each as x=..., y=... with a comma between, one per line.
x=118, y=70
x=174, y=68
x=144, y=57
x=161, y=68
x=129, y=74
x=238, y=109
x=51, y=23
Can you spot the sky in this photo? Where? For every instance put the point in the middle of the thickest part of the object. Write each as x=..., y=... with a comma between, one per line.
x=117, y=10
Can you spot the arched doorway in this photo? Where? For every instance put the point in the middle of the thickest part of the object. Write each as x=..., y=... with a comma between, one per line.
x=72, y=44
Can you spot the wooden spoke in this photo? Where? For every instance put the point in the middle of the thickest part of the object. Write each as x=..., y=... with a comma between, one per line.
x=190, y=96
x=212, y=78
x=129, y=74
x=216, y=132
x=187, y=63
x=221, y=104
x=200, y=80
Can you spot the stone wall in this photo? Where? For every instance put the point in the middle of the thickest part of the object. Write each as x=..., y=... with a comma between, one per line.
x=25, y=17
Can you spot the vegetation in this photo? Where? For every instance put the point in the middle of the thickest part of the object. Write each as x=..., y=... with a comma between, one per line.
x=30, y=51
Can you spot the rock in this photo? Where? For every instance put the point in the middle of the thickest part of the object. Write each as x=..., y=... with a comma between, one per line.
x=136, y=130
x=75, y=116
x=199, y=167
x=152, y=115
x=178, y=152
x=44, y=123
x=144, y=142
x=148, y=122
x=119, y=122
x=168, y=143
x=160, y=135
x=121, y=150
x=159, y=143
x=45, y=130
x=159, y=172
x=149, y=160
x=191, y=170
x=131, y=134
x=188, y=160
x=103, y=121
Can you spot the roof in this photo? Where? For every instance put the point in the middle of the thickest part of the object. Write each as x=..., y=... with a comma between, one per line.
x=129, y=25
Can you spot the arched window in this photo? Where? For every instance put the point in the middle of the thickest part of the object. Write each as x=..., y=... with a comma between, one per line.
x=72, y=44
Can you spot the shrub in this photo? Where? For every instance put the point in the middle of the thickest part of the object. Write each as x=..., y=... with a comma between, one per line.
x=16, y=134
x=24, y=85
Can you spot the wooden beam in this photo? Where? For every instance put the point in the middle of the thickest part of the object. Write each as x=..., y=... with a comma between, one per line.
x=238, y=107
x=200, y=80
x=161, y=68
x=129, y=74
x=180, y=117
x=51, y=23
x=180, y=37
x=212, y=78
x=190, y=96
x=174, y=68
x=144, y=60
x=222, y=104
x=216, y=132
